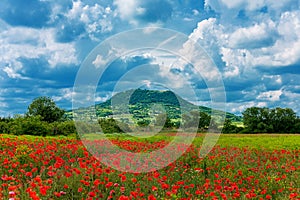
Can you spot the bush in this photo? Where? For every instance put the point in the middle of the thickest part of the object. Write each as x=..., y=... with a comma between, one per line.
x=29, y=126
x=112, y=126
x=3, y=127
x=64, y=128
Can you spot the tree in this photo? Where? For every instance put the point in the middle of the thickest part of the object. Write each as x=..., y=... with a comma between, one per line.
x=257, y=120
x=283, y=120
x=296, y=128
x=46, y=108
x=265, y=120
x=204, y=120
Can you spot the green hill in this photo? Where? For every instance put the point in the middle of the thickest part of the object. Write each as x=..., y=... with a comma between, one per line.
x=141, y=104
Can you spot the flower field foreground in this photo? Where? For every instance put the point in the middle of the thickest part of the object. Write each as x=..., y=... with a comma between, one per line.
x=61, y=168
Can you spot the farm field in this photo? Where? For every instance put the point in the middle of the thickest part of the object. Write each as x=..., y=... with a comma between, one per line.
x=239, y=167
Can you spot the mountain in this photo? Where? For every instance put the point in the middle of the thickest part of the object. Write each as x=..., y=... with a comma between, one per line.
x=141, y=104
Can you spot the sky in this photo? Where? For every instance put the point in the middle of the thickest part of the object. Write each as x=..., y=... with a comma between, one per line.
x=255, y=46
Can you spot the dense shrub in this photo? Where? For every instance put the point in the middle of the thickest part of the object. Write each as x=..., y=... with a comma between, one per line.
x=3, y=127
x=29, y=126
x=110, y=125
x=64, y=128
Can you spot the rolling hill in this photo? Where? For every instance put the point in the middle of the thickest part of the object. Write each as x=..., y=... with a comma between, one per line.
x=141, y=104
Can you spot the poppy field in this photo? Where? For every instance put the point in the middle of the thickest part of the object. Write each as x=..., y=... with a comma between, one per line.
x=238, y=167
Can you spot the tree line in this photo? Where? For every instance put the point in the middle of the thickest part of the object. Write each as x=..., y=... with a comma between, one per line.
x=266, y=120
x=44, y=117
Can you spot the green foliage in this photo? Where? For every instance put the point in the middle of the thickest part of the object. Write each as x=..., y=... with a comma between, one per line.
x=297, y=126
x=110, y=125
x=29, y=125
x=204, y=120
x=64, y=128
x=265, y=120
x=46, y=108
x=34, y=125
x=143, y=122
x=229, y=127
x=4, y=127
x=141, y=101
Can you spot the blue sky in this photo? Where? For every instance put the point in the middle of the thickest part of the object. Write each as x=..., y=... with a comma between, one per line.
x=254, y=44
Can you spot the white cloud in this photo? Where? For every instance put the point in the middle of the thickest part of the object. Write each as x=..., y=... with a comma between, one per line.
x=96, y=19
x=253, y=37
x=270, y=95
x=22, y=42
x=102, y=99
x=203, y=63
x=3, y=105
x=127, y=9
x=274, y=79
x=268, y=43
x=232, y=3
x=240, y=107
x=203, y=28
x=99, y=61
x=11, y=72
x=65, y=94
x=233, y=71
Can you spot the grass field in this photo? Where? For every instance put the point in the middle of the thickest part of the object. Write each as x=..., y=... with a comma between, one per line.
x=264, y=166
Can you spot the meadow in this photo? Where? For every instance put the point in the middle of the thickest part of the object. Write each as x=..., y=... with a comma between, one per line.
x=258, y=166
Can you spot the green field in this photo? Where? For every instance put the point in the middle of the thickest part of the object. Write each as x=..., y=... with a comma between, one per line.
x=261, y=141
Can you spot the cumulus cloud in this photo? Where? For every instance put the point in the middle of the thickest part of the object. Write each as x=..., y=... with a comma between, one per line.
x=136, y=11
x=255, y=44
x=32, y=43
x=265, y=44
x=257, y=36
x=64, y=94
x=83, y=20
x=270, y=95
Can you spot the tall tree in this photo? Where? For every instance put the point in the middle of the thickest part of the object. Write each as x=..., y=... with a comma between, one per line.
x=283, y=120
x=256, y=119
x=264, y=120
x=204, y=120
x=46, y=108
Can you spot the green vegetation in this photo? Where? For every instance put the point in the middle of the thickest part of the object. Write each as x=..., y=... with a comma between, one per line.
x=147, y=110
x=46, y=109
x=265, y=120
x=43, y=118
x=141, y=104
x=110, y=125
